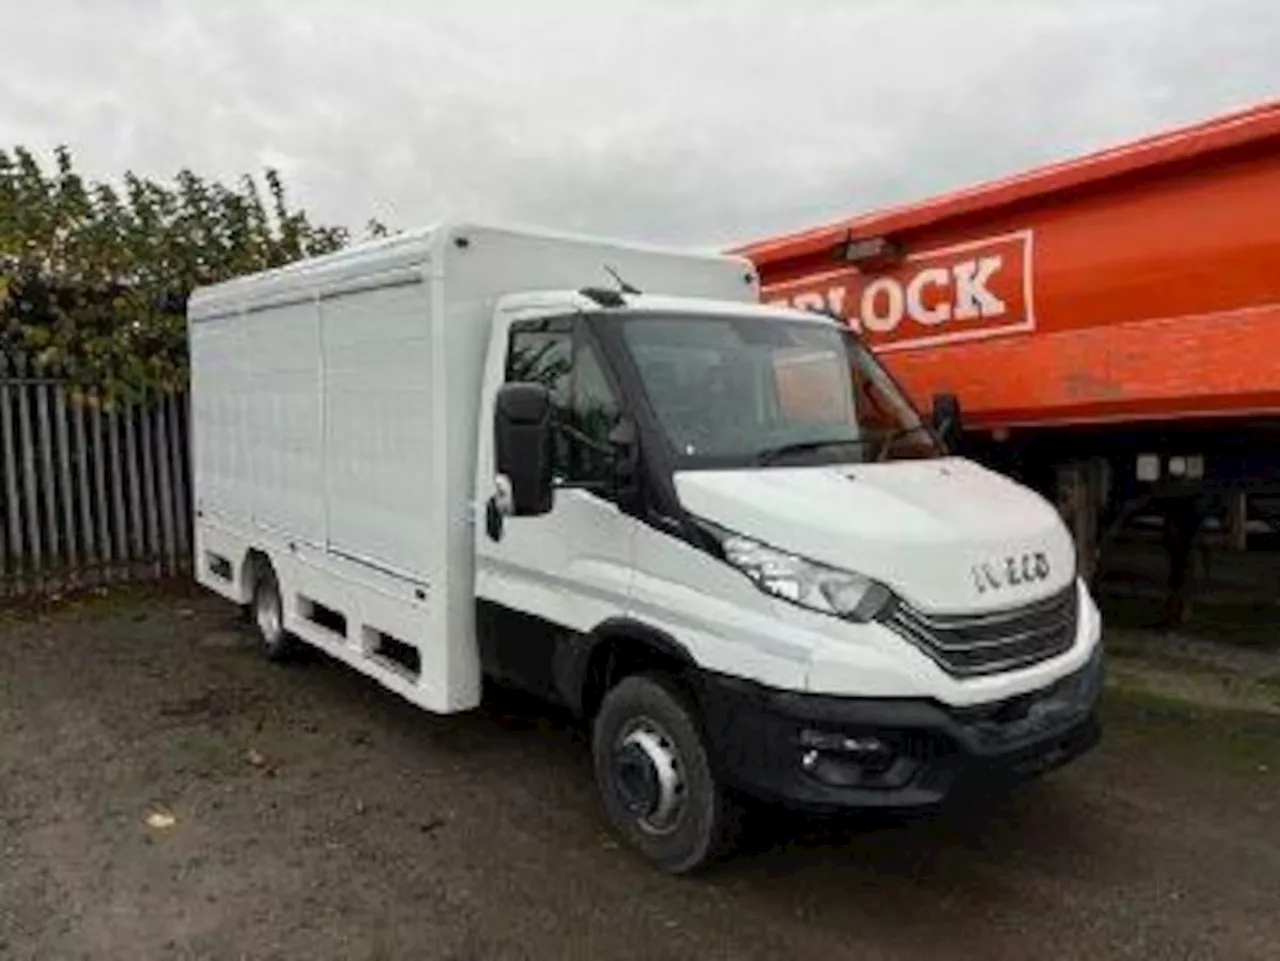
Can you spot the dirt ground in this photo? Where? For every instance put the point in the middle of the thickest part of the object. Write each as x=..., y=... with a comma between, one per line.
x=164, y=793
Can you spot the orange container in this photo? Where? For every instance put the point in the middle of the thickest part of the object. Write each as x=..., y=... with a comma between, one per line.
x=1137, y=284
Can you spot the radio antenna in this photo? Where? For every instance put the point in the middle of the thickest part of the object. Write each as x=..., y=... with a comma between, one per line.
x=625, y=287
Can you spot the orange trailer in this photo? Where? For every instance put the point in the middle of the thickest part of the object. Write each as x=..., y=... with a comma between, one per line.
x=1137, y=283
x=1120, y=309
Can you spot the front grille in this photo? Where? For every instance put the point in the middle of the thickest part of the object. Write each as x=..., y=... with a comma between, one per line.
x=967, y=645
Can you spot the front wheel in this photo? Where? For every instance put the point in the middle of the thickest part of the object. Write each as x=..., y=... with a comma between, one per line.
x=654, y=776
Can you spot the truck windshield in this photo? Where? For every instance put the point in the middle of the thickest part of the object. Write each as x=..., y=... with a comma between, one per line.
x=755, y=391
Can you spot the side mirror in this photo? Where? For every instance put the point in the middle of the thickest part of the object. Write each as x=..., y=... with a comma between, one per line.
x=522, y=446
x=948, y=420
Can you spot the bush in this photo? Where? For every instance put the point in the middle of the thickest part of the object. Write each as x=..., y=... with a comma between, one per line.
x=94, y=280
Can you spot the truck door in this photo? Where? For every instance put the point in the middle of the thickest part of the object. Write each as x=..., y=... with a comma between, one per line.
x=541, y=579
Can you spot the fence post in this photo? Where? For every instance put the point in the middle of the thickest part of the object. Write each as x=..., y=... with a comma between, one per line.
x=137, y=520
x=122, y=529
x=47, y=484
x=178, y=451
x=92, y=560
x=164, y=463
x=150, y=491
x=30, y=490
x=9, y=464
x=71, y=551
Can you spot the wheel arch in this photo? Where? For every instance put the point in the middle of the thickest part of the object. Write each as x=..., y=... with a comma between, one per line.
x=256, y=562
x=616, y=648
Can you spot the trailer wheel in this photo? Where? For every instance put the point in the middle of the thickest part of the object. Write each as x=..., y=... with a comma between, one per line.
x=654, y=776
x=267, y=609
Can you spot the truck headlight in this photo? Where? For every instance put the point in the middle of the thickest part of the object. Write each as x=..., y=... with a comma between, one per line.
x=818, y=587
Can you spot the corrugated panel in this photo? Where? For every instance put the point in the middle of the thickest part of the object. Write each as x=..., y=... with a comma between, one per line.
x=86, y=496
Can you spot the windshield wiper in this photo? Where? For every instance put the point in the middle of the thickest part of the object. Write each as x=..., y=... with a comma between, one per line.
x=801, y=447
x=896, y=436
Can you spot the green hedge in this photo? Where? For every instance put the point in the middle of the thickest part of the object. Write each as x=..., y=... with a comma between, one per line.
x=94, y=278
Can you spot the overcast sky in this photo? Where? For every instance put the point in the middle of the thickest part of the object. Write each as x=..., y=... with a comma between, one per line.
x=695, y=121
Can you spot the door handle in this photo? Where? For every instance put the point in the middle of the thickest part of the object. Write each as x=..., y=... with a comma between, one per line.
x=494, y=522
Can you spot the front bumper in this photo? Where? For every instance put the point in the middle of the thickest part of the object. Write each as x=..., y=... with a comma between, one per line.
x=771, y=744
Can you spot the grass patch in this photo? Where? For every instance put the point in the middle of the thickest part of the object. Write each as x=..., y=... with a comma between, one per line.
x=101, y=600
x=1272, y=682
x=1249, y=625
x=1236, y=743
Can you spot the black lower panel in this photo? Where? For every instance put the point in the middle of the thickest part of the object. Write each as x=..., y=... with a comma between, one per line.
x=519, y=649
x=932, y=753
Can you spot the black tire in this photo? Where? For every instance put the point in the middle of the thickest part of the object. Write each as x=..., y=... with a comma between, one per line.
x=702, y=829
x=266, y=612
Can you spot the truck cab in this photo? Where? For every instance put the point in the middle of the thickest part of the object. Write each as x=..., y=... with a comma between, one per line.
x=733, y=510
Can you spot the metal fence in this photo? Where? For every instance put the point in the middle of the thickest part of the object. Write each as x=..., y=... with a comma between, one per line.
x=88, y=496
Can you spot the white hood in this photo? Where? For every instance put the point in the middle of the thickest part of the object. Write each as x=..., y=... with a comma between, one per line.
x=946, y=535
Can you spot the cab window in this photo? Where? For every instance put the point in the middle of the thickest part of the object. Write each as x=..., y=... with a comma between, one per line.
x=585, y=406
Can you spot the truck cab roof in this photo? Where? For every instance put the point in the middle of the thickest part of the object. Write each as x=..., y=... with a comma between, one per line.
x=552, y=302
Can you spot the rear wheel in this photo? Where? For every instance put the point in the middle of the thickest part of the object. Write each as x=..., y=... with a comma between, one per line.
x=655, y=777
x=267, y=611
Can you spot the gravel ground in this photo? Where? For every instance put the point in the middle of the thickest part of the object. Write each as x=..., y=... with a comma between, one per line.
x=166, y=794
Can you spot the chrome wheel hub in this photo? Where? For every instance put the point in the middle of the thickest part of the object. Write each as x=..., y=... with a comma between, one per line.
x=649, y=777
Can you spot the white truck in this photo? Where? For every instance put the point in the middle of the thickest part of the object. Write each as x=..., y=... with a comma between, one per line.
x=716, y=531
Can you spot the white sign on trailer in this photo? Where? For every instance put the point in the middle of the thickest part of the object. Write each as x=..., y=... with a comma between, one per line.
x=977, y=289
